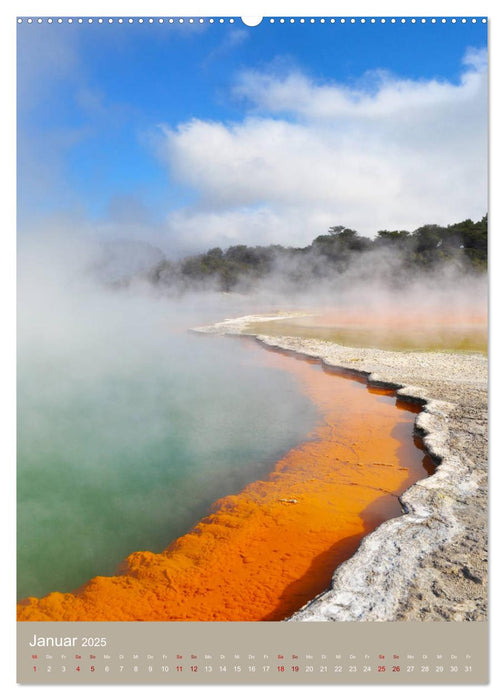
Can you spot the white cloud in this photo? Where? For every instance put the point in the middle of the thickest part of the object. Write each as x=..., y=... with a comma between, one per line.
x=384, y=96
x=396, y=154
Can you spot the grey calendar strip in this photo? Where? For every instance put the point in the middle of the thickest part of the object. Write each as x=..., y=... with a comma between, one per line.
x=250, y=652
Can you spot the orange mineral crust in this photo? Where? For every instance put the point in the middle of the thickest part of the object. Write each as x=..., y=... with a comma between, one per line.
x=263, y=553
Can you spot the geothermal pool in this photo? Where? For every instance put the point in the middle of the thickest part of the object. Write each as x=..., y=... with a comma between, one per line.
x=404, y=330
x=304, y=464
x=125, y=447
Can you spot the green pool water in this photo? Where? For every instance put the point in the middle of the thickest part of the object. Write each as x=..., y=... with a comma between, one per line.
x=127, y=436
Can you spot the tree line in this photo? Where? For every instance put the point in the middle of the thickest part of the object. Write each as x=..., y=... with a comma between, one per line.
x=241, y=267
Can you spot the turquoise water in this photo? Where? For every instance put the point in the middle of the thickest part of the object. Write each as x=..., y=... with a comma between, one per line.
x=128, y=431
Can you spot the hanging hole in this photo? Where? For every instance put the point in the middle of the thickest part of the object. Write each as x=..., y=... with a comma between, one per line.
x=251, y=21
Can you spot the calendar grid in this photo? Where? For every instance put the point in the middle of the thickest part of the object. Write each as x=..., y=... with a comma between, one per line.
x=250, y=653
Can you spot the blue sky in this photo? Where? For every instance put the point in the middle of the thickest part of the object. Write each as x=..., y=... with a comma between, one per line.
x=107, y=135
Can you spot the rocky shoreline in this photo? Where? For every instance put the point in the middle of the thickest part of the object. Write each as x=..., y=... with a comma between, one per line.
x=430, y=563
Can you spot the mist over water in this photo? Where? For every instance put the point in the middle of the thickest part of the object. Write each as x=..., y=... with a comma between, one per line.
x=129, y=427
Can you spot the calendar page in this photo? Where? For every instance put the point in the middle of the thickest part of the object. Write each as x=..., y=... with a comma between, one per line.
x=252, y=350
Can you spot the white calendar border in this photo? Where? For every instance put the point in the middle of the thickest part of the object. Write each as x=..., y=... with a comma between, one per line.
x=7, y=280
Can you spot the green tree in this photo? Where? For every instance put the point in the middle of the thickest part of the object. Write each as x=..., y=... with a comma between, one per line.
x=393, y=236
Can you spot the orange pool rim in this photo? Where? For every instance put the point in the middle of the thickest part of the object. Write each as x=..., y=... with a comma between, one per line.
x=263, y=553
